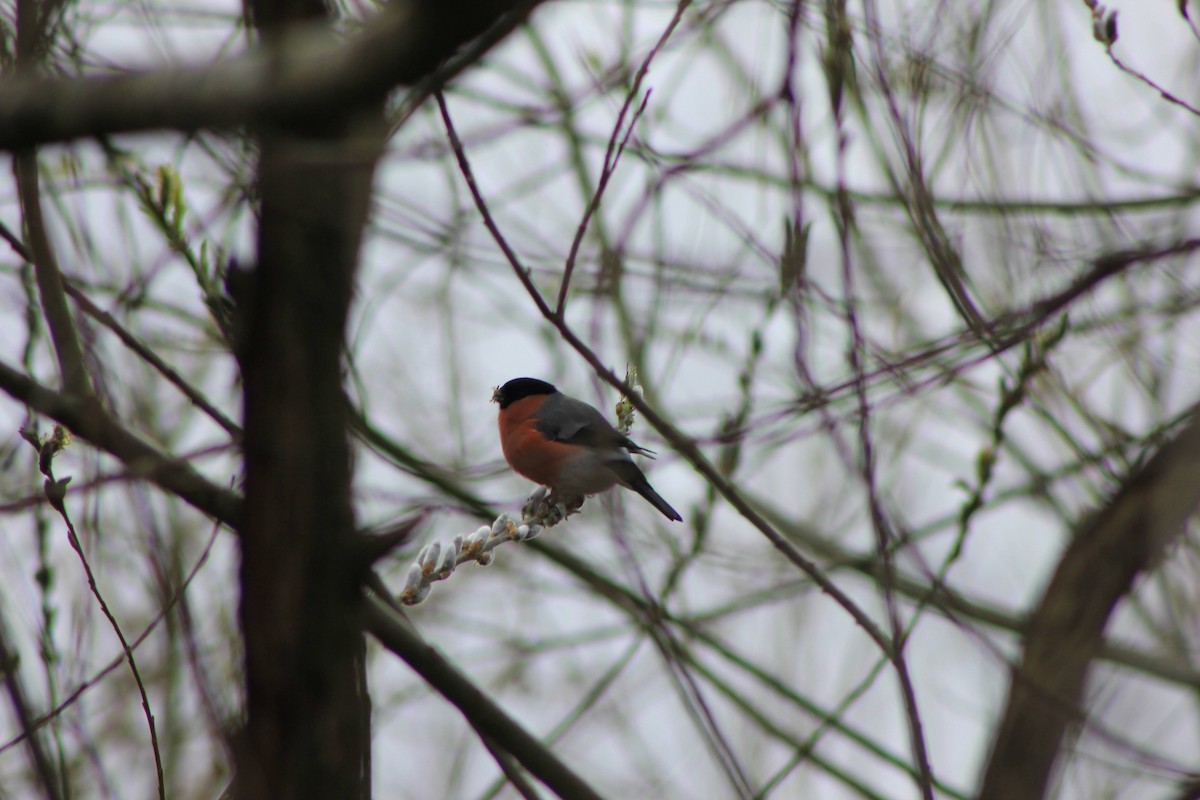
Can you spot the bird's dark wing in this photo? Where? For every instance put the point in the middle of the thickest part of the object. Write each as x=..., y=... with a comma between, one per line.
x=565, y=419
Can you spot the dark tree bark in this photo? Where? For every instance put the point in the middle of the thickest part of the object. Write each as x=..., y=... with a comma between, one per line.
x=307, y=731
x=1110, y=550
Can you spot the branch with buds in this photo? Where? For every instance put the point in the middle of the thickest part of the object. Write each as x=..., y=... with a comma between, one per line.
x=437, y=561
x=1104, y=30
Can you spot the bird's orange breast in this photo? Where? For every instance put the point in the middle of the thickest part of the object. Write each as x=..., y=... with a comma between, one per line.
x=526, y=449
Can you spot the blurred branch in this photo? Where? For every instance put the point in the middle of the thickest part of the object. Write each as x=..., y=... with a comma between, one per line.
x=954, y=604
x=1008, y=330
x=481, y=712
x=1104, y=267
x=311, y=67
x=432, y=474
x=35, y=35
x=150, y=357
x=1182, y=197
x=101, y=674
x=511, y=769
x=1110, y=550
x=39, y=758
x=129, y=340
x=49, y=278
x=90, y=422
x=918, y=203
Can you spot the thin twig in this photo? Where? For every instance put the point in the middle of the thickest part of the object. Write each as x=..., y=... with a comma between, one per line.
x=1147, y=80
x=510, y=768
x=606, y=172
x=150, y=357
x=112, y=665
x=56, y=494
x=611, y=158
x=1183, y=10
x=946, y=263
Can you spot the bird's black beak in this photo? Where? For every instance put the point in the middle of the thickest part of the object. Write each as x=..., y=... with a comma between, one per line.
x=496, y=394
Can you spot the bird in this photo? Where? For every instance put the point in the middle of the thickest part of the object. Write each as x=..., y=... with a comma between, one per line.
x=567, y=445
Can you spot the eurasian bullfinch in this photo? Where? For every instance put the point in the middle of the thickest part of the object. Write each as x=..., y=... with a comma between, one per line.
x=566, y=445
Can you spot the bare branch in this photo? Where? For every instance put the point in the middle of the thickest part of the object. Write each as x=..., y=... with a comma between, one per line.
x=612, y=155
x=56, y=493
x=153, y=359
x=482, y=713
x=87, y=420
x=307, y=74
x=1110, y=550
x=49, y=279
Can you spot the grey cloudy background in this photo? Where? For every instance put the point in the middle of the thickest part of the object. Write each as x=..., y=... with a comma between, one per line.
x=1041, y=156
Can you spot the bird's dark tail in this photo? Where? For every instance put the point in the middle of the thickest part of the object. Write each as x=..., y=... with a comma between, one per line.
x=630, y=476
x=644, y=488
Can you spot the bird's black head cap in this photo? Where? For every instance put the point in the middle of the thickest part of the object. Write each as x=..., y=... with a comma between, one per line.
x=520, y=388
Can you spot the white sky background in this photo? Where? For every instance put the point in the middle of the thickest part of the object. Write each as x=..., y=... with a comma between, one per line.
x=441, y=319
